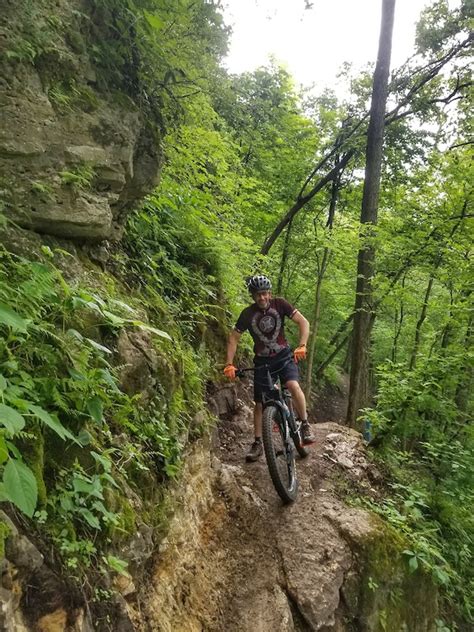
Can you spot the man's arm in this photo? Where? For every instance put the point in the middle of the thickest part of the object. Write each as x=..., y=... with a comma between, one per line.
x=303, y=326
x=232, y=343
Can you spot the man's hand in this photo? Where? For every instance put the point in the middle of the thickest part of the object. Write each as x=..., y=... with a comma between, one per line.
x=229, y=371
x=299, y=353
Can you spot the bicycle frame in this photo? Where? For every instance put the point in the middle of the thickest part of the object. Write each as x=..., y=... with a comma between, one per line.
x=276, y=395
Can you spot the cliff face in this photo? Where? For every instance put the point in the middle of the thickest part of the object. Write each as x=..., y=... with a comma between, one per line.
x=75, y=152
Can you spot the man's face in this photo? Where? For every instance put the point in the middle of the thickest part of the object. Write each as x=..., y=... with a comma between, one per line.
x=262, y=299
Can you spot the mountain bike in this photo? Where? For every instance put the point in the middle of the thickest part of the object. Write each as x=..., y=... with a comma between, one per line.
x=281, y=434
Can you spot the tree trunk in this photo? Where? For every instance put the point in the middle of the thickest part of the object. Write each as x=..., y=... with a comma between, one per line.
x=398, y=325
x=419, y=324
x=314, y=324
x=366, y=258
x=464, y=387
x=284, y=257
x=321, y=368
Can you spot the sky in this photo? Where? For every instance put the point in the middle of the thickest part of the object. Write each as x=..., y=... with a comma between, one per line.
x=312, y=44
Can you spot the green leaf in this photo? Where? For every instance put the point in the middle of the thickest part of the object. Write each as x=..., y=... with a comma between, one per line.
x=98, y=346
x=121, y=304
x=113, y=319
x=95, y=408
x=153, y=330
x=13, y=450
x=75, y=334
x=442, y=576
x=3, y=450
x=20, y=486
x=52, y=422
x=117, y=564
x=3, y=494
x=154, y=21
x=104, y=461
x=12, y=319
x=413, y=564
x=77, y=301
x=76, y=375
x=92, y=520
x=11, y=419
x=84, y=437
x=3, y=383
x=92, y=488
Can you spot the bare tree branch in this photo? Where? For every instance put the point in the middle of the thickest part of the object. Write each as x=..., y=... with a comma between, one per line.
x=333, y=173
x=433, y=68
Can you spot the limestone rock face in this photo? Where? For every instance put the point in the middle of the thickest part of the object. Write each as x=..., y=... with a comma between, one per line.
x=74, y=157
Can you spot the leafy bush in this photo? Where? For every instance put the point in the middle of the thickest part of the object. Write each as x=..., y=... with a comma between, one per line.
x=429, y=452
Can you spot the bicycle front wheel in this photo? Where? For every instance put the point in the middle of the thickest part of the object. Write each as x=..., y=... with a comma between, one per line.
x=280, y=454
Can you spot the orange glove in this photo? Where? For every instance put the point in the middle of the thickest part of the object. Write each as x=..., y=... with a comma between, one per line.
x=229, y=371
x=299, y=353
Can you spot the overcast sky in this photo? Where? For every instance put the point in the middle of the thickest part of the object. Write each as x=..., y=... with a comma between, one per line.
x=312, y=44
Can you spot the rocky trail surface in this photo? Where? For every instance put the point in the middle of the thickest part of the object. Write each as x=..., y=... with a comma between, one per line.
x=238, y=560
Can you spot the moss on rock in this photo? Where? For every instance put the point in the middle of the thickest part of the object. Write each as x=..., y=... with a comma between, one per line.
x=389, y=596
x=32, y=451
x=4, y=533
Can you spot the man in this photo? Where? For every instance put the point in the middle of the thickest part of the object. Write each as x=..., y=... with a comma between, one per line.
x=264, y=320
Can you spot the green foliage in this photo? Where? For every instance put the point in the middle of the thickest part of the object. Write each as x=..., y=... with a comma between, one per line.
x=67, y=95
x=437, y=526
x=79, y=177
x=81, y=523
x=39, y=34
x=137, y=48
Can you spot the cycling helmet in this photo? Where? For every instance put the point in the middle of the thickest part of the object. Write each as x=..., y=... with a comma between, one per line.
x=259, y=283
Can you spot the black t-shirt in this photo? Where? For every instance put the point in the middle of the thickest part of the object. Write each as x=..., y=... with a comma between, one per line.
x=266, y=326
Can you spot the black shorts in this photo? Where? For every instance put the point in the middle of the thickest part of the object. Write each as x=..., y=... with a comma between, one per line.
x=282, y=365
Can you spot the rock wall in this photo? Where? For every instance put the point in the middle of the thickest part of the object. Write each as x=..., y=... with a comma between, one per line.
x=74, y=154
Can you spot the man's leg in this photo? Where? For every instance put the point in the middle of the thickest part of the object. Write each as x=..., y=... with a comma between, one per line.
x=299, y=401
x=256, y=447
x=257, y=419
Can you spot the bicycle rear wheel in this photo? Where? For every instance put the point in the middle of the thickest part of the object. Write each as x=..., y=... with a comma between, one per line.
x=297, y=440
x=295, y=428
x=280, y=454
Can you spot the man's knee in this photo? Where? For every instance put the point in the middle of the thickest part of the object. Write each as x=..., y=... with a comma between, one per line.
x=293, y=386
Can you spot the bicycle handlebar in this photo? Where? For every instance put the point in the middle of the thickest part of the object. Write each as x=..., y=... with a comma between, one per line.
x=240, y=371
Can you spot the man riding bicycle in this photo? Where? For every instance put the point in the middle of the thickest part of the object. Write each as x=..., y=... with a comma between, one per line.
x=264, y=320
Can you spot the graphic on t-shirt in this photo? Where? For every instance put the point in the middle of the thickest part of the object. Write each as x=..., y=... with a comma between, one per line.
x=267, y=324
x=267, y=328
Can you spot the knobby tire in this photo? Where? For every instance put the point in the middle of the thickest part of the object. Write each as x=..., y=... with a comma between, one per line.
x=284, y=480
x=302, y=451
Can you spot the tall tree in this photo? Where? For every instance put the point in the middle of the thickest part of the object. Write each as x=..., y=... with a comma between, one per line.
x=366, y=258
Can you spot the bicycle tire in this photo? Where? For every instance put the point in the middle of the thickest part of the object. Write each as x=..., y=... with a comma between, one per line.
x=280, y=455
x=302, y=451
x=296, y=436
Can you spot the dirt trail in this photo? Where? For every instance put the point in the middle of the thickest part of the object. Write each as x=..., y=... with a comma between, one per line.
x=287, y=562
x=238, y=560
